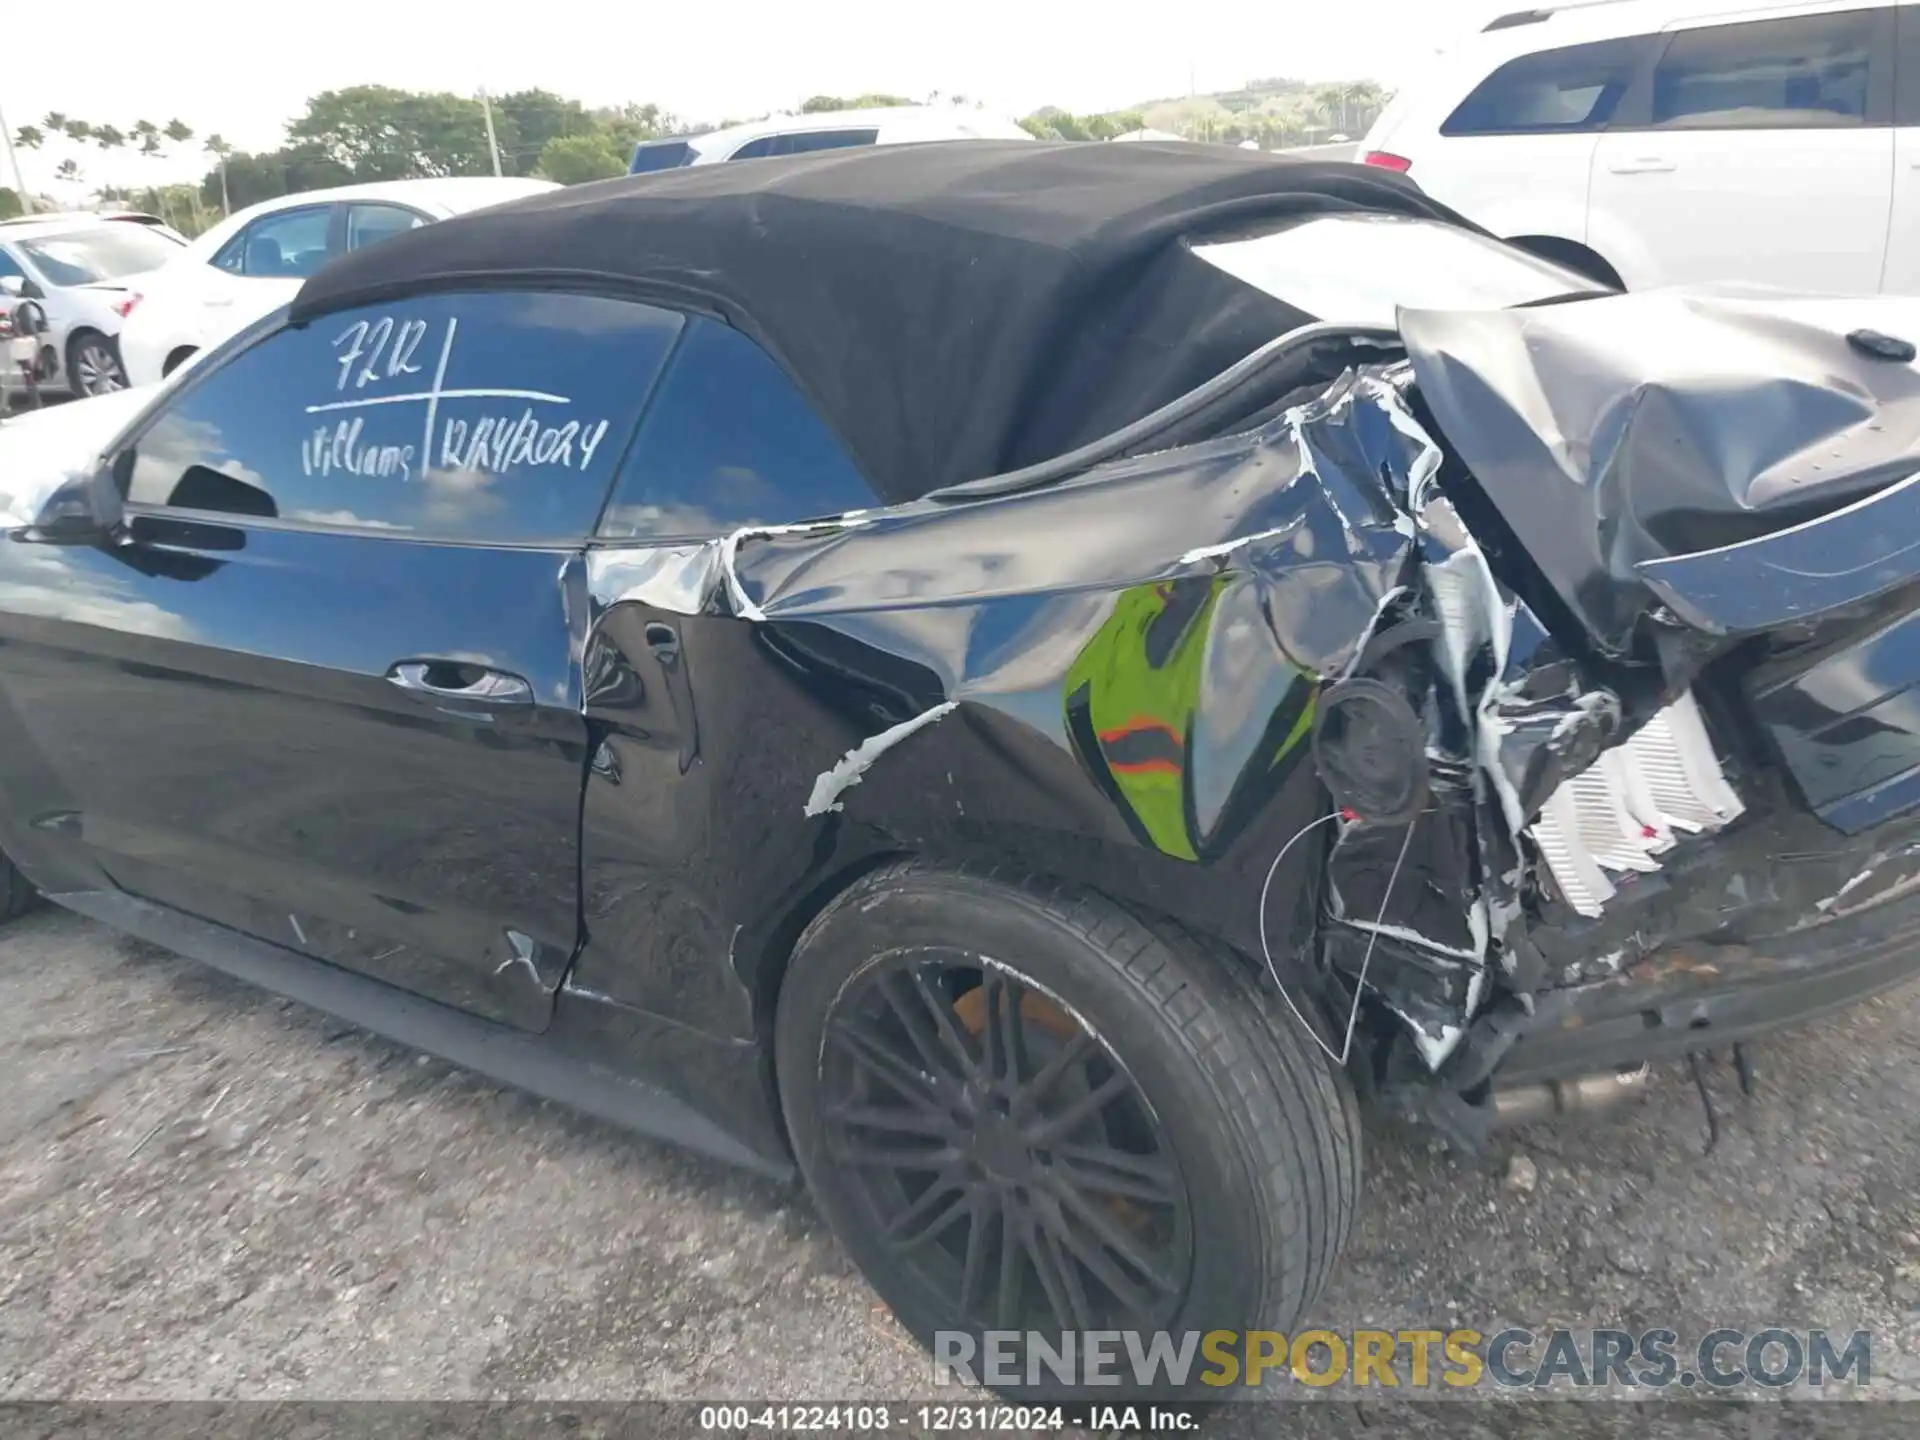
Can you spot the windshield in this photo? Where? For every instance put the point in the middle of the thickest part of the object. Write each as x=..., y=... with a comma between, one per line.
x=99, y=252
x=1364, y=268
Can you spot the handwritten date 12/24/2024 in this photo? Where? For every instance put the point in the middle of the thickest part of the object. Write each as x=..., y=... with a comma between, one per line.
x=376, y=360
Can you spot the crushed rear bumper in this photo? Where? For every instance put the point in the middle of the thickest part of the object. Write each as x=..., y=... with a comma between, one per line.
x=1694, y=996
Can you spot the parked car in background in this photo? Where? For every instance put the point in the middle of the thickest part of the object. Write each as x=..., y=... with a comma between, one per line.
x=255, y=259
x=141, y=217
x=1649, y=142
x=77, y=266
x=829, y=130
x=144, y=218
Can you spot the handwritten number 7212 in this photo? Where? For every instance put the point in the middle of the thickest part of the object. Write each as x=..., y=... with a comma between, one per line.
x=386, y=348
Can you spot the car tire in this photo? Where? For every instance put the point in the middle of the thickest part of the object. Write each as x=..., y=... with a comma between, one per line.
x=16, y=895
x=1226, y=1163
x=93, y=365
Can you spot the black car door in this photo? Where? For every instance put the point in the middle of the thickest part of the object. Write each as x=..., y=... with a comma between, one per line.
x=331, y=694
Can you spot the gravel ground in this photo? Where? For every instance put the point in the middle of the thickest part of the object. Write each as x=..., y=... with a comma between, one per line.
x=206, y=1192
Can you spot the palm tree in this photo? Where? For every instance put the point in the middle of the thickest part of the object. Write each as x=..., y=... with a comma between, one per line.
x=55, y=121
x=220, y=150
x=30, y=137
x=179, y=132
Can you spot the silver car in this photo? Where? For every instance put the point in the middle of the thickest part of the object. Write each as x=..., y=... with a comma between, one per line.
x=77, y=266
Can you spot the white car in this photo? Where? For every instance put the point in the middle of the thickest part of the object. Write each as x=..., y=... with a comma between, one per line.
x=827, y=130
x=78, y=268
x=257, y=258
x=1655, y=142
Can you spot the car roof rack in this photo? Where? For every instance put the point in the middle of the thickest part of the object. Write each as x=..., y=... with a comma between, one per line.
x=1546, y=12
x=1517, y=17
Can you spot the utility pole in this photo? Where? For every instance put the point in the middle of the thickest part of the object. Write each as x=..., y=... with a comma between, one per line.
x=493, y=145
x=13, y=163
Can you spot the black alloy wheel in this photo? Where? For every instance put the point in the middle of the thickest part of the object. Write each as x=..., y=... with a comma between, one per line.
x=1023, y=1108
x=996, y=1143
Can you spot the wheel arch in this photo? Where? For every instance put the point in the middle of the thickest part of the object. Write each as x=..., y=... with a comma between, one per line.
x=76, y=337
x=767, y=967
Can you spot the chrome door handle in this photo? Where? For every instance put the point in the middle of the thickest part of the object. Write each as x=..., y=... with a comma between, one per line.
x=493, y=687
x=1645, y=165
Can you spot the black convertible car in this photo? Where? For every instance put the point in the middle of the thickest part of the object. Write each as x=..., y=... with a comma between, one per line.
x=1019, y=680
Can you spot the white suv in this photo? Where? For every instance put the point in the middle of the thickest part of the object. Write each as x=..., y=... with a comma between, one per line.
x=824, y=130
x=1653, y=142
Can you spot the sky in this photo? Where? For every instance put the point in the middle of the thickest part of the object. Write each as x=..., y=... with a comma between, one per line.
x=189, y=59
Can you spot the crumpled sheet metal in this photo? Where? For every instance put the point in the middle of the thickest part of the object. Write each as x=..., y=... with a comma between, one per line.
x=1162, y=624
x=1608, y=456
x=1323, y=554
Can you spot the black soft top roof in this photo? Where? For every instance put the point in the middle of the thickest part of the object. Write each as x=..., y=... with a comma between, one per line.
x=954, y=310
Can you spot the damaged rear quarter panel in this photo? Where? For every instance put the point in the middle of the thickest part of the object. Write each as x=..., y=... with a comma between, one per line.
x=1109, y=680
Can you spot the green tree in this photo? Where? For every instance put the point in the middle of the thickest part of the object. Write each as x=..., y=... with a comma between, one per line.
x=874, y=100
x=576, y=159
x=178, y=131
x=107, y=137
x=10, y=203
x=375, y=132
x=30, y=137
x=252, y=178
x=626, y=126
x=535, y=118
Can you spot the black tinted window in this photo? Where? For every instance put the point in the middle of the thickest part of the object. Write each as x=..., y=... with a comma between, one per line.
x=287, y=246
x=492, y=417
x=667, y=155
x=1571, y=89
x=1907, y=99
x=1811, y=70
x=729, y=441
x=800, y=142
x=370, y=224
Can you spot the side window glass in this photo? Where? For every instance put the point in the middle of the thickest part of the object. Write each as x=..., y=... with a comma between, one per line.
x=1800, y=73
x=829, y=140
x=801, y=141
x=1906, y=102
x=488, y=417
x=10, y=266
x=663, y=155
x=729, y=441
x=370, y=224
x=1574, y=88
